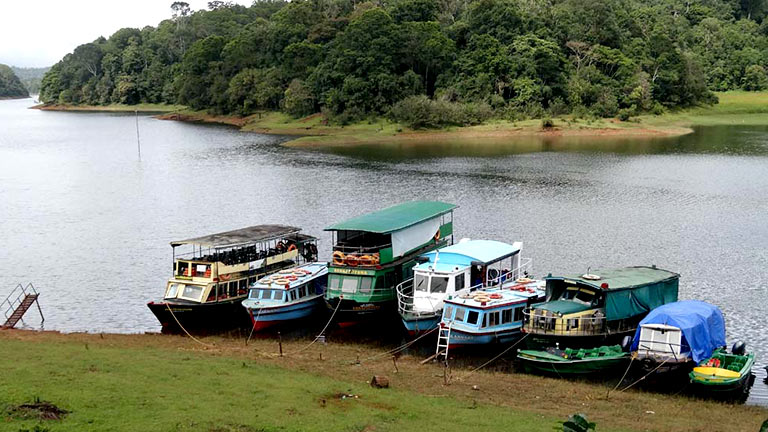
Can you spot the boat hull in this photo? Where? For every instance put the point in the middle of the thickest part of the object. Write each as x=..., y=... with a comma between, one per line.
x=461, y=339
x=418, y=326
x=576, y=367
x=537, y=341
x=348, y=312
x=264, y=318
x=200, y=317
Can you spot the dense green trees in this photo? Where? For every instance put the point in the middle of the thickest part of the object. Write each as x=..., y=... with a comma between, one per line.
x=455, y=61
x=10, y=84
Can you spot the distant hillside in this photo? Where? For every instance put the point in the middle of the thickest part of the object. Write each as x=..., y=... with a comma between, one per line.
x=10, y=85
x=30, y=77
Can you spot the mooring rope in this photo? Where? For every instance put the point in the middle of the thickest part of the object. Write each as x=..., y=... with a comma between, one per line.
x=322, y=333
x=397, y=349
x=645, y=376
x=631, y=359
x=253, y=326
x=493, y=359
x=185, y=330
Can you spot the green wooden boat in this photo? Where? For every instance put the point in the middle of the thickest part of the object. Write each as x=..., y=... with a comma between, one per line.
x=573, y=361
x=724, y=373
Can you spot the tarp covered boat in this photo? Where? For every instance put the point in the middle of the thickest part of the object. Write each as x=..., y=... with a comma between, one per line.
x=700, y=326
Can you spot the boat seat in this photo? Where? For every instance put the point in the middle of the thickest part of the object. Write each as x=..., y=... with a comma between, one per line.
x=734, y=367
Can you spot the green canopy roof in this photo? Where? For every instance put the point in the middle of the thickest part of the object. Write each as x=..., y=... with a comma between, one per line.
x=394, y=218
x=623, y=278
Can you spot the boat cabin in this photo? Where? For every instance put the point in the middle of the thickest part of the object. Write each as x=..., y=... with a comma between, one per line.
x=605, y=302
x=493, y=315
x=466, y=266
x=374, y=252
x=289, y=285
x=220, y=267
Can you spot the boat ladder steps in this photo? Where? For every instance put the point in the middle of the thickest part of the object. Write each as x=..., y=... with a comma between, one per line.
x=18, y=306
x=443, y=340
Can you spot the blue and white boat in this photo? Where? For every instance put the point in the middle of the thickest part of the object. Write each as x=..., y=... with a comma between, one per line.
x=489, y=316
x=467, y=266
x=287, y=295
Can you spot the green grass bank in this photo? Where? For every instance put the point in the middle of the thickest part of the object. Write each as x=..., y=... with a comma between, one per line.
x=734, y=108
x=171, y=383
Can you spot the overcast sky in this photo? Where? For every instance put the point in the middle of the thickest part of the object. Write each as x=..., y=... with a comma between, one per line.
x=37, y=33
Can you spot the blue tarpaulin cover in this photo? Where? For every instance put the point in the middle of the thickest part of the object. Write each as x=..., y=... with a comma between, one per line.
x=702, y=325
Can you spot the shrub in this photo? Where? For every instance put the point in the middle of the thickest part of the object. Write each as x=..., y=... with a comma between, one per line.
x=547, y=123
x=626, y=113
x=419, y=112
x=298, y=100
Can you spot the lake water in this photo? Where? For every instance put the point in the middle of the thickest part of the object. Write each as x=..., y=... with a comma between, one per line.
x=90, y=224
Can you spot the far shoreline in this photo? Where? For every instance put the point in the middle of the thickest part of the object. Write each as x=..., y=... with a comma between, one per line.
x=747, y=108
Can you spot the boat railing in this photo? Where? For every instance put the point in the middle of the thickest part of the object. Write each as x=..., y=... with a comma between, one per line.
x=350, y=249
x=406, y=296
x=538, y=321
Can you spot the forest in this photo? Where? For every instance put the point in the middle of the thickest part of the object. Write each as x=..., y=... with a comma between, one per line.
x=10, y=85
x=427, y=63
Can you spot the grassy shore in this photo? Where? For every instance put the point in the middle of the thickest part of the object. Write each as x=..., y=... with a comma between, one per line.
x=142, y=108
x=737, y=107
x=158, y=383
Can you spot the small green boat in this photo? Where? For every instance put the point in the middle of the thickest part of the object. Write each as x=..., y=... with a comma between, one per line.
x=573, y=361
x=724, y=372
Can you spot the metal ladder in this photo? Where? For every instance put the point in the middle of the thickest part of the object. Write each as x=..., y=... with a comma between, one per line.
x=16, y=307
x=443, y=341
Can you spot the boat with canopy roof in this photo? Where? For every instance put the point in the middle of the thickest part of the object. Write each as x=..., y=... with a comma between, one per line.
x=599, y=308
x=375, y=252
x=212, y=275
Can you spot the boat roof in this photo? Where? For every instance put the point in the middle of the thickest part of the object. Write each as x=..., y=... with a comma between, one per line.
x=507, y=296
x=394, y=218
x=621, y=278
x=463, y=254
x=240, y=236
x=316, y=269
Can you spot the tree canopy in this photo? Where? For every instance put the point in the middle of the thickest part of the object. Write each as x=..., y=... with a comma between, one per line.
x=10, y=84
x=351, y=59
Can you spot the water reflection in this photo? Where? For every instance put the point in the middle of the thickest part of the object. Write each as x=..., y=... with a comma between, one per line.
x=89, y=223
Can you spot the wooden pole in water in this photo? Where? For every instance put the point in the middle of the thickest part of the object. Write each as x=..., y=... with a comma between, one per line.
x=280, y=343
x=138, y=141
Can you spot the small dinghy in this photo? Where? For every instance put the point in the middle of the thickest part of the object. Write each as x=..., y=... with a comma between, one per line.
x=574, y=361
x=728, y=374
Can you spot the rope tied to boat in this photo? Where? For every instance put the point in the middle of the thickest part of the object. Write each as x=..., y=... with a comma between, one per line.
x=322, y=332
x=631, y=359
x=397, y=349
x=645, y=376
x=493, y=359
x=185, y=330
x=253, y=327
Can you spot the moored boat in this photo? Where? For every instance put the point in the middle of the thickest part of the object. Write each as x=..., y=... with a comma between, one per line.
x=210, y=282
x=493, y=316
x=725, y=374
x=572, y=361
x=374, y=252
x=287, y=295
x=599, y=308
x=677, y=335
x=467, y=266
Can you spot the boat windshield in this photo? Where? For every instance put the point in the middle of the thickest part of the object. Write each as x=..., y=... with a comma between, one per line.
x=579, y=295
x=421, y=282
x=439, y=284
x=192, y=292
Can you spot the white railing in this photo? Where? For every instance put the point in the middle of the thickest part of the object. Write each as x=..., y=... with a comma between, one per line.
x=406, y=296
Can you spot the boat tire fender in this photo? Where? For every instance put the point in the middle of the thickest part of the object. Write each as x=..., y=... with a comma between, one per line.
x=739, y=348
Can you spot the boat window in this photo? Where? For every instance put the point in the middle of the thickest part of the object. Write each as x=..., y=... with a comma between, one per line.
x=222, y=290
x=420, y=282
x=519, y=316
x=389, y=280
x=506, y=316
x=243, y=286
x=212, y=294
x=472, y=317
x=292, y=295
x=252, y=294
x=233, y=289
x=365, y=284
x=192, y=292
x=438, y=285
x=349, y=285
x=334, y=282
x=278, y=295
x=493, y=319
x=460, y=314
x=583, y=296
x=303, y=291
x=448, y=313
x=266, y=294
x=173, y=289
x=459, y=282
